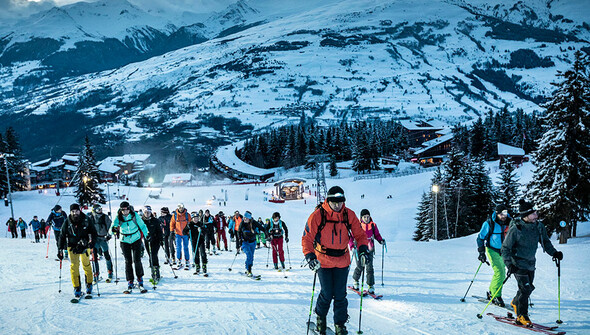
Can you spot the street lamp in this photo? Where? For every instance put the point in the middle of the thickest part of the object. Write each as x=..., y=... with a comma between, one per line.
x=5, y=156
x=435, y=190
x=150, y=181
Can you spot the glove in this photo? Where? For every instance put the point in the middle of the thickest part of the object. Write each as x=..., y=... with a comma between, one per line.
x=109, y=237
x=312, y=262
x=287, y=239
x=482, y=254
x=382, y=242
x=512, y=268
x=364, y=255
x=558, y=255
x=60, y=255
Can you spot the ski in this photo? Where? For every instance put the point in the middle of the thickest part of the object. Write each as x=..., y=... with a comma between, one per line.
x=88, y=296
x=205, y=275
x=77, y=300
x=128, y=291
x=196, y=273
x=108, y=280
x=357, y=291
x=312, y=328
x=485, y=301
x=142, y=289
x=375, y=296
x=253, y=277
x=534, y=326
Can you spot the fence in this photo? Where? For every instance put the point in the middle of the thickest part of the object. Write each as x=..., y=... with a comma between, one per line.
x=397, y=174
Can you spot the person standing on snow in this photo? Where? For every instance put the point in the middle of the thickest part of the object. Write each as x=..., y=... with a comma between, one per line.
x=169, y=236
x=373, y=234
x=220, y=225
x=490, y=239
x=209, y=230
x=156, y=240
x=248, y=231
x=43, y=229
x=101, y=223
x=178, y=224
x=325, y=246
x=518, y=251
x=11, y=223
x=78, y=236
x=198, y=235
x=56, y=219
x=130, y=225
x=22, y=225
x=276, y=228
x=237, y=220
x=36, y=226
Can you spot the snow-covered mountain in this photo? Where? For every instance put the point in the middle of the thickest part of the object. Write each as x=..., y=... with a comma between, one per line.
x=265, y=63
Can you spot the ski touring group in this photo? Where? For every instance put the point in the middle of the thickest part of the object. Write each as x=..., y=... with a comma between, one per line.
x=333, y=238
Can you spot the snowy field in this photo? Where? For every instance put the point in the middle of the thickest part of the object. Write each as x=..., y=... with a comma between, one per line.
x=423, y=282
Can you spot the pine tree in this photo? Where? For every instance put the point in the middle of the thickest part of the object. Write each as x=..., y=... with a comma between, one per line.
x=508, y=186
x=479, y=195
x=561, y=181
x=87, y=178
x=424, y=219
x=3, y=183
x=477, y=138
x=333, y=167
x=16, y=161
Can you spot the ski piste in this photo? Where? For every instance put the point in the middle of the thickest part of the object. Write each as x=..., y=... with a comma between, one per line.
x=77, y=300
x=485, y=301
x=510, y=320
x=312, y=329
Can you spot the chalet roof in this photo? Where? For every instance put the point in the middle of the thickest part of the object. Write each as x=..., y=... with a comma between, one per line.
x=434, y=142
x=508, y=150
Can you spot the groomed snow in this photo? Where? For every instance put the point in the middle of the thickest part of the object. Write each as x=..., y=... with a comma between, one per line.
x=423, y=281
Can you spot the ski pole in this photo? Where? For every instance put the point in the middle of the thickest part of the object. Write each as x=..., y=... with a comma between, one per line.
x=476, y=272
x=382, y=261
x=232, y=263
x=94, y=271
x=48, y=238
x=268, y=254
x=170, y=263
x=289, y=256
x=558, y=263
x=116, y=274
x=362, y=294
x=315, y=276
x=480, y=315
x=60, y=261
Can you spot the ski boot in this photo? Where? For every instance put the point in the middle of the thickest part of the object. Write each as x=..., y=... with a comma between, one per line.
x=157, y=273
x=371, y=289
x=140, y=285
x=276, y=266
x=498, y=301
x=110, y=277
x=489, y=295
x=77, y=292
x=129, y=287
x=320, y=325
x=174, y=262
x=524, y=320
x=283, y=265
x=340, y=329
x=514, y=307
x=355, y=285
x=205, y=268
x=88, y=288
x=197, y=269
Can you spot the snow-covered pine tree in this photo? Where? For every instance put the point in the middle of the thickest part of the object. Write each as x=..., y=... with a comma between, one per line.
x=333, y=167
x=508, y=188
x=479, y=195
x=424, y=218
x=16, y=161
x=477, y=137
x=87, y=178
x=454, y=169
x=561, y=181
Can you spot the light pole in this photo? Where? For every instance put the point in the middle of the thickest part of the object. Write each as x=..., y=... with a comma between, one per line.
x=435, y=190
x=5, y=156
x=150, y=182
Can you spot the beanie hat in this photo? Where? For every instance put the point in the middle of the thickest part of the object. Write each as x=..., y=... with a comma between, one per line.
x=56, y=208
x=336, y=194
x=501, y=208
x=165, y=210
x=525, y=208
x=248, y=215
x=74, y=206
x=124, y=204
x=365, y=212
x=276, y=215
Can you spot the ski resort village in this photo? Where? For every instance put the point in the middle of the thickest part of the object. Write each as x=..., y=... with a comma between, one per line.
x=295, y=167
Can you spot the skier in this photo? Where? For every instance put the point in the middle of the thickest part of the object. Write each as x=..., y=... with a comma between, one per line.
x=101, y=223
x=178, y=224
x=11, y=223
x=169, y=236
x=276, y=228
x=156, y=240
x=220, y=225
x=78, y=236
x=209, y=230
x=373, y=234
x=56, y=219
x=237, y=220
x=248, y=231
x=325, y=246
x=43, y=229
x=261, y=237
x=129, y=224
x=489, y=240
x=518, y=251
x=22, y=225
x=35, y=225
x=198, y=235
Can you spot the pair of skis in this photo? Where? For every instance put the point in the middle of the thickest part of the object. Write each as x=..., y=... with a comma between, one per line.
x=366, y=293
x=253, y=277
x=76, y=300
x=509, y=319
x=312, y=328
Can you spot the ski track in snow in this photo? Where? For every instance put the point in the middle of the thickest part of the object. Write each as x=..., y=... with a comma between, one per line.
x=423, y=281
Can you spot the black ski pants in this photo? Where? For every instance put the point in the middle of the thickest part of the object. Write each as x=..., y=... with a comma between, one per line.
x=199, y=250
x=169, y=240
x=524, y=279
x=132, y=254
x=369, y=270
x=153, y=247
x=333, y=287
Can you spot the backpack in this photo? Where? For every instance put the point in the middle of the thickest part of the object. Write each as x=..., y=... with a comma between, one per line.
x=492, y=223
x=318, y=236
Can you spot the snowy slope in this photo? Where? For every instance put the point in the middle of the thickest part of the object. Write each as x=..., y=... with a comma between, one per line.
x=423, y=281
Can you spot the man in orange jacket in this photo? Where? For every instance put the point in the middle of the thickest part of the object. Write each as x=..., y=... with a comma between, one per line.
x=179, y=224
x=325, y=246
